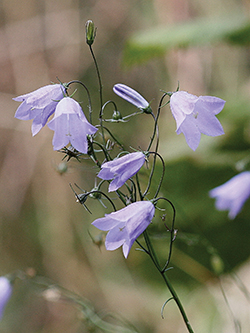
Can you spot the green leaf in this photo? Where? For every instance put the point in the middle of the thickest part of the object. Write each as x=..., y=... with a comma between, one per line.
x=145, y=45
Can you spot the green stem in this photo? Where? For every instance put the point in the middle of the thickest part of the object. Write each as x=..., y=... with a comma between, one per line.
x=153, y=257
x=100, y=90
x=178, y=302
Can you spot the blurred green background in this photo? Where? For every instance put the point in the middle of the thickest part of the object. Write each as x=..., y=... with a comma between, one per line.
x=148, y=45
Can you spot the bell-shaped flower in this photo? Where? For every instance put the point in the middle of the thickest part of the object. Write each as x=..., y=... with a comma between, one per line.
x=39, y=105
x=233, y=194
x=70, y=126
x=5, y=293
x=121, y=169
x=132, y=97
x=126, y=225
x=195, y=115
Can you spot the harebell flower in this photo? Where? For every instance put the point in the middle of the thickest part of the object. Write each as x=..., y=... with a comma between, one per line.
x=195, y=115
x=233, y=194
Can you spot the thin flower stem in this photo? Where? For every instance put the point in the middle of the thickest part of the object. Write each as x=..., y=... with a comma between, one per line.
x=156, y=129
x=151, y=175
x=88, y=94
x=172, y=234
x=151, y=251
x=98, y=75
x=100, y=90
x=153, y=257
x=156, y=132
x=178, y=302
x=139, y=187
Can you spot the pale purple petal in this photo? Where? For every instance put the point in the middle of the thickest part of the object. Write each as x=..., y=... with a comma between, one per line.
x=5, y=293
x=105, y=173
x=191, y=132
x=195, y=115
x=212, y=104
x=182, y=104
x=108, y=222
x=116, y=237
x=39, y=105
x=121, y=169
x=126, y=225
x=70, y=126
x=207, y=123
x=126, y=247
x=61, y=135
x=130, y=95
x=233, y=194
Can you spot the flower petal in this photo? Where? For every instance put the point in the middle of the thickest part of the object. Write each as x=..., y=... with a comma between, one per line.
x=116, y=237
x=191, y=132
x=213, y=104
x=130, y=95
x=233, y=194
x=206, y=121
x=121, y=169
x=181, y=105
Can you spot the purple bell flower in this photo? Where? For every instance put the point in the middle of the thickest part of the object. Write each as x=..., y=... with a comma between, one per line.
x=70, y=126
x=195, y=115
x=39, y=105
x=121, y=169
x=233, y=194
x=126, y=225
x=132, y=97
x=5, y=293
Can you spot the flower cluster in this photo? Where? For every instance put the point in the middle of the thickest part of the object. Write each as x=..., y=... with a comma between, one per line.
x=194, y=115
x=75, y=135
x=69, y=123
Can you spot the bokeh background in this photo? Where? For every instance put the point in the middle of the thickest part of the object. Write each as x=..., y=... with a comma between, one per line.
x=149, y=45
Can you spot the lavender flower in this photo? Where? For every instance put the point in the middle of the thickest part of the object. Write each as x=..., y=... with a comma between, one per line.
x=70, y=126
x=126, y=225
x=195, y=115
x=5, y=293
x=233, y=194
x=132, y=97
x=121, y=169
x=39, y=105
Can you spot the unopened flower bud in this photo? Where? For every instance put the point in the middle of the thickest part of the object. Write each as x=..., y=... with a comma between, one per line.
x=62, y=168
x=117, y=115
x=90, y=32
x=132, y=97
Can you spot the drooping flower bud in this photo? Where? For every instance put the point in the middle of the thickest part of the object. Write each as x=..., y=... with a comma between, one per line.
x=132, y=97
x=90, y=32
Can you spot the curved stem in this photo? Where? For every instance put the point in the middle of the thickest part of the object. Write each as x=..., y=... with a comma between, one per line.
x=151, y=175
x=88, y=94
x=178, y=302
x=155, y=261
x=172, y=235
x=170, y=287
